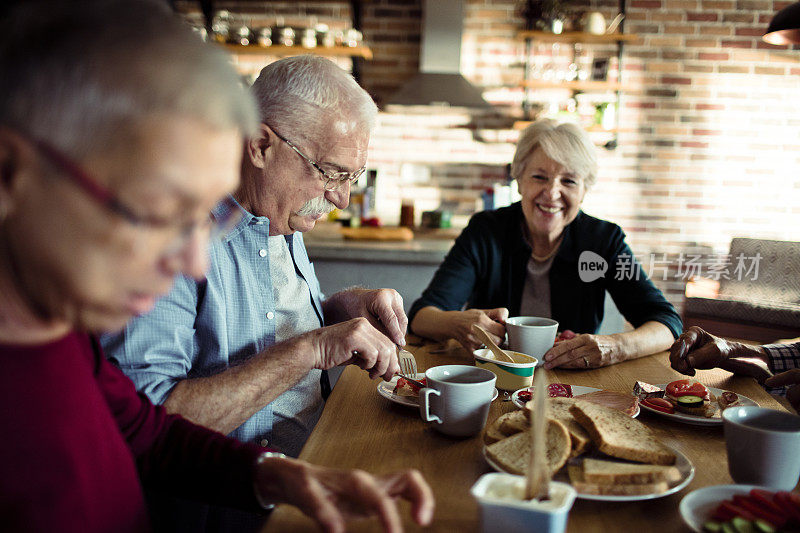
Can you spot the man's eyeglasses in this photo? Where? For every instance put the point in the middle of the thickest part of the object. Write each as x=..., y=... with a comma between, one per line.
x=333, y=180
x=217, y=226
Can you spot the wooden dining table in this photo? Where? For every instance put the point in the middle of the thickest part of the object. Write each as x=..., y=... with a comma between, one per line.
x=361, y=429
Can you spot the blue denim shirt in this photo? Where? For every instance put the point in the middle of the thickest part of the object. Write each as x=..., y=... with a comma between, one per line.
x=201, y=328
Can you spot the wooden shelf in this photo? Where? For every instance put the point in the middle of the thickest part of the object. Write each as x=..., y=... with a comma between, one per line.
x=340, y=51
x=576, y=37
x=573, y=85
x=522, y=124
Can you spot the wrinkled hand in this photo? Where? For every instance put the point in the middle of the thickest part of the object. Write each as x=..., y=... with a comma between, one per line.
x=698, y=349
x=789, y=378
x=382, y=307
x=583, y=351
x=335, y=345
x=333, y=497
x=492, y=320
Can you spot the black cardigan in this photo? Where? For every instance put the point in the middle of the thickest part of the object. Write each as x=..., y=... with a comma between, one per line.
x=487, y=265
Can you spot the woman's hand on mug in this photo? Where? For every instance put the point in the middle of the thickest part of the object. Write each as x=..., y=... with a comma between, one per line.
x=583, y=351
x=492, y=320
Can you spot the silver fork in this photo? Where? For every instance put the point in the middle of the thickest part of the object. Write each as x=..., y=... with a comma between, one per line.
x=408, y=365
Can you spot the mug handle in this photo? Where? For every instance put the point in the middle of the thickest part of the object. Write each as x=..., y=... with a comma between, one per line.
x=425, y=407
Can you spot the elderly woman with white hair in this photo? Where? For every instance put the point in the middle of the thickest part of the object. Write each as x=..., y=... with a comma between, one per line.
x=524, y=260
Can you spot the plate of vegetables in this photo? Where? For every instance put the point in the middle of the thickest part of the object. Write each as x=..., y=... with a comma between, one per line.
x=741, y=509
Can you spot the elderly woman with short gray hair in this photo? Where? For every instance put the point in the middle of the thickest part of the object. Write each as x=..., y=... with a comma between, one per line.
x=524, y=260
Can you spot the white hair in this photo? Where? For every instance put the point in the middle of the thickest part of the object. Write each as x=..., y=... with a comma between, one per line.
x=80, y=74
x=298, y=93
x=564, y=143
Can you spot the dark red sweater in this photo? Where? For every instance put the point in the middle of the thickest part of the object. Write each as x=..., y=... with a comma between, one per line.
x=77, y=442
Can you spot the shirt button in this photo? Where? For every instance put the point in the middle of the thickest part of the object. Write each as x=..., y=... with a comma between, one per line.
x=270, y=315
x=264, y=443
x=262, y=252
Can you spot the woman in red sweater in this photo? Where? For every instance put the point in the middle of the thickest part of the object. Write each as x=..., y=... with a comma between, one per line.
x=118, y=133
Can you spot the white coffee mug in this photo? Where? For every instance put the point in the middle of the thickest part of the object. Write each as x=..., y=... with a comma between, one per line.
x=531, y=335
x=763, y=446
x=457, y=398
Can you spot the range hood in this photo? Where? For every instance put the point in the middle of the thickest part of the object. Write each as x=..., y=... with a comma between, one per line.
x=439, y=81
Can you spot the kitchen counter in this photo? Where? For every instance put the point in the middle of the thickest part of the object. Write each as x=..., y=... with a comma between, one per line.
x=406, y=266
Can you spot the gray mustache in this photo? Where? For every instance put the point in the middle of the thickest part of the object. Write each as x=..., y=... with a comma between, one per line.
x=316, y=206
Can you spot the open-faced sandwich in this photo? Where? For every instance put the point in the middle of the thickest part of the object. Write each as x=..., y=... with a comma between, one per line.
x=685, y=396
x=691, y=397
x=404, y=387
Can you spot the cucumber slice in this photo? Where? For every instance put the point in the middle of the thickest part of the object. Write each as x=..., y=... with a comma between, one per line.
x=742, y=525
x=762, y=526
x=712, y=527
x=728, y=528
x=690, y=401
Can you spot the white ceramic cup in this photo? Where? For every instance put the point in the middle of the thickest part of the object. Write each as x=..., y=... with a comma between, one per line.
x=763, y=446
x=531, y=335
x=457, y=398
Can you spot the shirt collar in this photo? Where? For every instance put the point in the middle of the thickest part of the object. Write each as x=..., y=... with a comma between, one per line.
x=222, y=209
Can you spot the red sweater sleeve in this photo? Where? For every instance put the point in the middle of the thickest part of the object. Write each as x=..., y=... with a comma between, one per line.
x=173, y=455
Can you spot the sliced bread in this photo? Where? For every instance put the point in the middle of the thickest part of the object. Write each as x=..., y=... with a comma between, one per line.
x=513, y=453
x=493, y=431
x=618, y=435
x=620, y=489
x=514, y=422
x=558, y=409
x=615, y=472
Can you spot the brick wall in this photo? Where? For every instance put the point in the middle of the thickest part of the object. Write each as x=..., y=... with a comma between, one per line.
x=709, y=146
x=709, y=142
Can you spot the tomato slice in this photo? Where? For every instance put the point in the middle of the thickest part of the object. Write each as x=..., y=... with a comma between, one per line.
x=783, y=500
x=763, y=498
x=659, y=404
x=685, y=387
x=729, y=506
x=745, y=502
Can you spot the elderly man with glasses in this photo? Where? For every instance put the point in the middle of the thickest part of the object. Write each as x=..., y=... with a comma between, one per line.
x=253, y=350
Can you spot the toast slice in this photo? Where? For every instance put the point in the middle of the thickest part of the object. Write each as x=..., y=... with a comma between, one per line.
x=618, y=435
x=613, y=472
x=493, y=431
x=515, y=422
x=576, y=478
x=513, y=453
x=558, y=409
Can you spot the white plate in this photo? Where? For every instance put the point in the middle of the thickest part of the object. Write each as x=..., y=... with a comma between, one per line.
x=695, y=419
x=577, y=390
x=682, y=463
x=697, y=506
x=385, y=389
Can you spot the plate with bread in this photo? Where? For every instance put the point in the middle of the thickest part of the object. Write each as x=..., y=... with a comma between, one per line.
x=404, y=392
x=602, y=452
x=688, y=401
x=617, y=400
